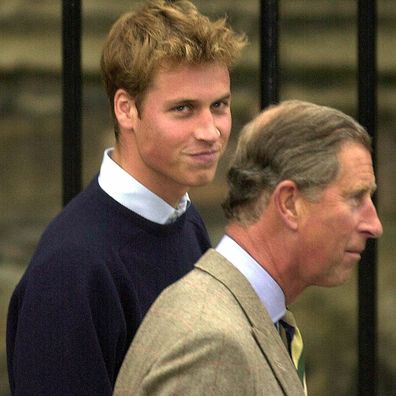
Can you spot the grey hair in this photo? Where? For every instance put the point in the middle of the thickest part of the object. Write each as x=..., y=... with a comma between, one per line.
x=293, y=140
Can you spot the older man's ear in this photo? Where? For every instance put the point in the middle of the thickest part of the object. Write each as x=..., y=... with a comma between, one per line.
x=288, y=202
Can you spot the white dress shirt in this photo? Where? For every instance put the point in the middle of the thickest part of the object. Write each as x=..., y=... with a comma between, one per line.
x=268, y=290
x=130, y=193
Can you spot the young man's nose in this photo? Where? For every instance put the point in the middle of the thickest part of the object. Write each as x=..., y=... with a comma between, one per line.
x=206, y=128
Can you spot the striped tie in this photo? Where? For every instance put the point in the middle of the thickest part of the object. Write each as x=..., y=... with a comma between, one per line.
x=293, y=340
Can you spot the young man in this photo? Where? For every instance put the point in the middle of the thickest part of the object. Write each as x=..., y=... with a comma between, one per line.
x=300, y=212
x=133, y=231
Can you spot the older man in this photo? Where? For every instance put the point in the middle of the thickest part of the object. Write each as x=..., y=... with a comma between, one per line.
x=300, y=212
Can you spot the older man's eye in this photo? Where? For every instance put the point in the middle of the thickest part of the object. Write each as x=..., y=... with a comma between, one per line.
x=358, y=198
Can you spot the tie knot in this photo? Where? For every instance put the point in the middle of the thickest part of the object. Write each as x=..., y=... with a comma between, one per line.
x=289, y=326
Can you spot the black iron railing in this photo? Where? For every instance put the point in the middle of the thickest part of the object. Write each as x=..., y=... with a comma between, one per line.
x=269, y=65
x=71, y=112
x=367, y=115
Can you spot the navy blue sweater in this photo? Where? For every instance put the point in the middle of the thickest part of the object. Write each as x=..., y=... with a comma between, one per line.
x=95, y=273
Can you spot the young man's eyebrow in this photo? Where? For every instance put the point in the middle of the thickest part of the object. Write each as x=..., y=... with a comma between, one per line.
x=192, y=101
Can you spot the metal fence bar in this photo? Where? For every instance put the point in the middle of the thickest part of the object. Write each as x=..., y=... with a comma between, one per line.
x=367, y=292
x=71, y=119
x=269, y=67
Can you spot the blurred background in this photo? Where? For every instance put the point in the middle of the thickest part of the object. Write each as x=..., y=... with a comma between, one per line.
x=318, y=54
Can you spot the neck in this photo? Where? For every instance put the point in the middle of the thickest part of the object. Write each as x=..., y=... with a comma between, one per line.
x=255, y=243
x=270, y=250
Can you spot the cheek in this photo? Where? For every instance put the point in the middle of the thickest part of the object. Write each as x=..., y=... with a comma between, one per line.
x=158, y=152
x=226, y=137
x=326, y=247
x=156, y=138
x=320, y=239
x=224, y=125
x=326, y=238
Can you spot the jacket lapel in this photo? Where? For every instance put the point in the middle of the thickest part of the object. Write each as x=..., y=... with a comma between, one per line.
x=263, y=330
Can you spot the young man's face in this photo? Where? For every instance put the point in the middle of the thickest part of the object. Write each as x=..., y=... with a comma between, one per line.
x=183, y=128
x=336, y=228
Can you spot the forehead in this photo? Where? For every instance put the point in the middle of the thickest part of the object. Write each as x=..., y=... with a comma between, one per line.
x=355, y=168
x=185, y=74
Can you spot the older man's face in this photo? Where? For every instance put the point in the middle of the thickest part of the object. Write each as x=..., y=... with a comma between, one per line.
x=334, y=231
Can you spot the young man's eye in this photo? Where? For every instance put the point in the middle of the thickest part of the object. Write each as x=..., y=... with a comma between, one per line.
x=180, y=108
x=220, y=105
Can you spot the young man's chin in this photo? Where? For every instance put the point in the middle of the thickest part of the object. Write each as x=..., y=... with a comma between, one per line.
x=203, y=180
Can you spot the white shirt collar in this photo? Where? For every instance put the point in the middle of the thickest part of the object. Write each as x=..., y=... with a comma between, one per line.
x=130, y=193
x=268, y=290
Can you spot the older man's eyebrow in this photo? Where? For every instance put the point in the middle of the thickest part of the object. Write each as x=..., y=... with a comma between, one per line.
x=371, y=189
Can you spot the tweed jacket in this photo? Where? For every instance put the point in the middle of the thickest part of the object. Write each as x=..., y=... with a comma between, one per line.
x=208, y=334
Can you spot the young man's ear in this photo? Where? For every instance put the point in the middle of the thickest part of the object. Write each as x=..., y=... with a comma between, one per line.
x=125, y=110
x=286, y=197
